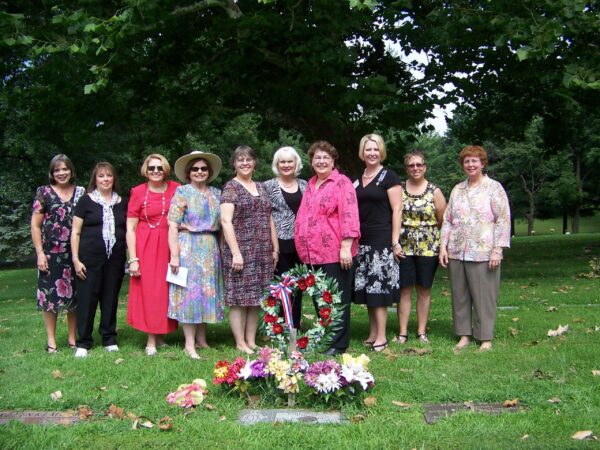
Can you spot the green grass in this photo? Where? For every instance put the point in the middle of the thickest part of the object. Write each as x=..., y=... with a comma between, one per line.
x=553, y=226
x=539, y=273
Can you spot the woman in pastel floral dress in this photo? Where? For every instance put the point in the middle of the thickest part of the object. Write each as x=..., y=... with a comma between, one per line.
x=475, y=231
x=51, y=234
x=194, y=229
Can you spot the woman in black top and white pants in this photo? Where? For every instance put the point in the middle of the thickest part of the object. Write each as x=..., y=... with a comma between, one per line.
x=98, y=247
x=285, y=194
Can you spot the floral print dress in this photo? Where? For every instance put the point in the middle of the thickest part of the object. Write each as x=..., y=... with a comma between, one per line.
x=55, y=292
x=420, y=234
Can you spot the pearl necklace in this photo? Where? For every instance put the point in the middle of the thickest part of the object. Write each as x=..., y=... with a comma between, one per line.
x=371, y=176
x=162, y=213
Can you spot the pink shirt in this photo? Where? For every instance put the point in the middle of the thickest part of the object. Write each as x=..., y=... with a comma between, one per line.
x=475, y=221
x=327, y=216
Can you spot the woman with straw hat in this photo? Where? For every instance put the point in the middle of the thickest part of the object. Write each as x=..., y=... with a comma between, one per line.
x=194, y=234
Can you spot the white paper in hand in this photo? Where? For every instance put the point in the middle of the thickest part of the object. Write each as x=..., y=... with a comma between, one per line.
x=180, y=279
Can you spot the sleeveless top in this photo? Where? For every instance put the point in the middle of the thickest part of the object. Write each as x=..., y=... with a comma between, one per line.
x=420, y=234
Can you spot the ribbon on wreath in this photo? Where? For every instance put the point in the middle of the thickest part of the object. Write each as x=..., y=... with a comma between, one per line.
x=283, y=291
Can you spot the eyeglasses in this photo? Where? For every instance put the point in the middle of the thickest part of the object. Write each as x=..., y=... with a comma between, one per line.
x=322, y=158
x=243, y=160
x=155, y=168
x=415, y=166
x=201, y=169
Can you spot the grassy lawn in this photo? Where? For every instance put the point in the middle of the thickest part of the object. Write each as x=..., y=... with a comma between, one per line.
x=554, y=226
x=540, y=274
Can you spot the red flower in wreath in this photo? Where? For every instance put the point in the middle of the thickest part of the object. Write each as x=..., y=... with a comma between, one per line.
x=327, y=298
x=270, y=318
x=271, y=302
x=325, y=322
x=302, y=342
x=301, y=284
x=310, y=280
x=277, y=328
x=325, y=313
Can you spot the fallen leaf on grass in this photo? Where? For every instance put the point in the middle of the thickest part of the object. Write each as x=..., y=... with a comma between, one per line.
x=552, y=309
x=524, y=437
x=56, y=396
x=578, y=320
x=445, y=293
x=103, y=388
x=222, y=418
x=531, y=344
x=253, y=400
x=511, y=403
x=469, y=405
x=85, y=412
x=515, y=319
x=370, y=401
x=358, y=418
x=309, y=316
x=582, y=435
x=554, y=400
x=165, y=424
x=56, y=374
x=209, y=406
x=132, y=416
x=513, y=331
x=124, y=387
x=559, y=331
x=114, y=412
x=141, y=423
x=401, y=404
x=417, y=351
x=119, y=361
x=596, y=373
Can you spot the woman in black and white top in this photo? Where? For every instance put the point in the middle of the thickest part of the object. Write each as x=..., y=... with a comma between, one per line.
x=285, y=193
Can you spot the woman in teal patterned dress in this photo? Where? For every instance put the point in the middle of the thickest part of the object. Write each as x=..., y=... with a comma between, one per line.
x=51, y=235
x=194, y=230
x=422, y=215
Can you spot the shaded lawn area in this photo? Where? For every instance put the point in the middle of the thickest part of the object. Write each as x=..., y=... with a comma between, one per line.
x=539, y=273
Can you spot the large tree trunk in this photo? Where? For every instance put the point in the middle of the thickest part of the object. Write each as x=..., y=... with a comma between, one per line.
x=565, y=227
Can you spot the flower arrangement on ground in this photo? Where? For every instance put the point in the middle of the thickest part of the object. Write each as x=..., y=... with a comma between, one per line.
x=271, y=372
x=324, y=292
x=189, y=395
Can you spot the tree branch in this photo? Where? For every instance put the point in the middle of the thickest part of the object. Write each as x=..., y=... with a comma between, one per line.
x=230, y=7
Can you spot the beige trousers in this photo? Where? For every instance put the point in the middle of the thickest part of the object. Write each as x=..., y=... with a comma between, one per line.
x=474, y=298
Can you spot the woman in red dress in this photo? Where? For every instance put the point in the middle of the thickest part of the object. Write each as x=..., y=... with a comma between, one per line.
x=148, y=247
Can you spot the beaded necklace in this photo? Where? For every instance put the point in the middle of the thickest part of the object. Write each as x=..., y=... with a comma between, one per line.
x=162, y=213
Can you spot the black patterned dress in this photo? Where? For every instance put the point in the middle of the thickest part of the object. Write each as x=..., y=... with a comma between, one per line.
x=252, y=227
x=55, y=291
x=377, y=276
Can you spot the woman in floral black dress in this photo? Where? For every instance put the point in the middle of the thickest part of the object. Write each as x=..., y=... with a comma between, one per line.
x=50, y=232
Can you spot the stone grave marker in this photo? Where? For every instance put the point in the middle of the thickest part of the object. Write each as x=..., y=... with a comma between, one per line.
x=254, y=416
x=40, y=417
x=436, y=411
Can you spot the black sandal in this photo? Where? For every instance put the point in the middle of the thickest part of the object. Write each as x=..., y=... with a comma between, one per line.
x=379, y=347
x=51, y=349
x=400, y=339
x=368, y=343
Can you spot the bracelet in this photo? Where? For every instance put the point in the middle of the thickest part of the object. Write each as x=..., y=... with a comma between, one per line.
x=132, y=260
x=395, y=244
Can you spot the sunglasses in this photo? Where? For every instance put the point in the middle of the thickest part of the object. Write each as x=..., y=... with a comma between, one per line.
x=155, y=168
x=201, y=169
x=413, y=166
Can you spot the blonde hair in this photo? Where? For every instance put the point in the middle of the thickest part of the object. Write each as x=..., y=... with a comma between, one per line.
x=380, y=145
x=163, y=162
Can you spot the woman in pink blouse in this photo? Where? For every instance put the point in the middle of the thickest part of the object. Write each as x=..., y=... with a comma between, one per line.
x=475, y=230
x=327, y=229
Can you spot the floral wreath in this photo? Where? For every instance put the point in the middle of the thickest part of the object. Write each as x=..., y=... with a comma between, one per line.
x=324, y=292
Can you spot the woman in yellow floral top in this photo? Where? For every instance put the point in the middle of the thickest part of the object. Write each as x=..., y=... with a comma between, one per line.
x=423, y=209
x=476, y=228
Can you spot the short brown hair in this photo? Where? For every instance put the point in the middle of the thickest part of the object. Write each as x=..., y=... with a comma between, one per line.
x=103, y=166
x=190, y=164
x=414, y=154
x=163, y=162
x=476, y=151
x=243, y=150
x=54, y=162
x=323, y=146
